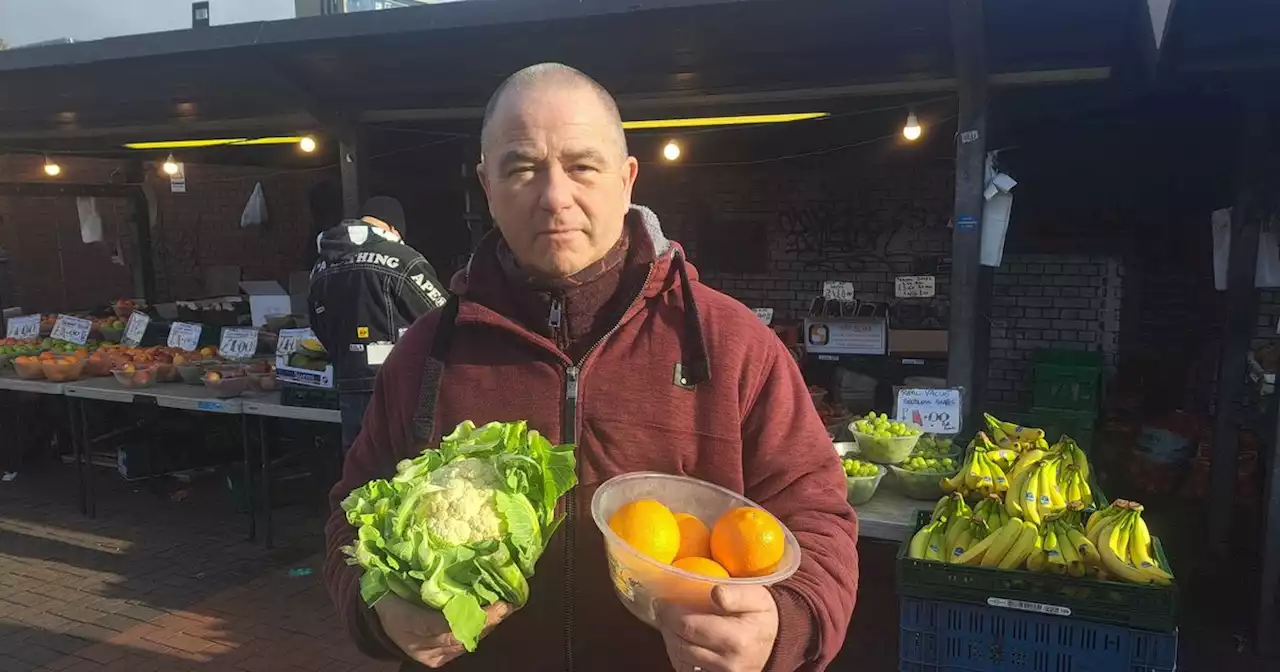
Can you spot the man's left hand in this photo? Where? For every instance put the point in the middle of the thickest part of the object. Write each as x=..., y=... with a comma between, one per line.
x=737, y=636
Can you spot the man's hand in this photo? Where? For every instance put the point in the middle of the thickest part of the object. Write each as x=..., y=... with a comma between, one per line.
x=736, y=637
x=424, y=634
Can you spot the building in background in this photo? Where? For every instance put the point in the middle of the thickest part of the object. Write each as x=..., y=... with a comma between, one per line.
x=320, y=7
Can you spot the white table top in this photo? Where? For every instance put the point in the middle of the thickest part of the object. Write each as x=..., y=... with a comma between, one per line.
x=269, y=405
x=167, y=395
x=889, y=515
x=16, y=384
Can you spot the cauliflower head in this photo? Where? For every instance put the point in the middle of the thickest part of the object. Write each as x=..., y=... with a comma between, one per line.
x=461, y=507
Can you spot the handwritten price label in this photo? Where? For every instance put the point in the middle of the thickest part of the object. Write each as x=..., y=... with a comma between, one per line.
x=288, y=343
x=933, y=410
x=838, y=290
x=765, y=315
x=184, y=336
x=135, y=329
x=914, y=286
x=23, y=328
x=72, y=329
x=238, y=342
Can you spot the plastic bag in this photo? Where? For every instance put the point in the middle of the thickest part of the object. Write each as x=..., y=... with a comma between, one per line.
x=255, y=211
x=90, y=220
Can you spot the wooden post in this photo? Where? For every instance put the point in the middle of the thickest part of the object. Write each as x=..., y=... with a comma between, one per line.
x=353, y=165
x=968, y=36
x=1241, y=301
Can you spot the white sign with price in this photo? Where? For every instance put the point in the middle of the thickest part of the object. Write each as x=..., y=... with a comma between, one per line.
x=288, y=343
x=934, y=410
x=72, y=329
x=238, y=342
x=838, y=290
x=765, y=315
x=23, y=328
x=184, y=336
x=914, y=286
x=135, y=329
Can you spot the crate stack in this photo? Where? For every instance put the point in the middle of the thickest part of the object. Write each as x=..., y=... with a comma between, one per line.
x=1066, y=394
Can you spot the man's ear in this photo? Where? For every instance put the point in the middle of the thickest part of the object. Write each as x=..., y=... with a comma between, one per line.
x=483, y=174
x=630, y=169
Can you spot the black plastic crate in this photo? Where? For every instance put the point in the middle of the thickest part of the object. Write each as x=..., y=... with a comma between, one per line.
x=308, y=397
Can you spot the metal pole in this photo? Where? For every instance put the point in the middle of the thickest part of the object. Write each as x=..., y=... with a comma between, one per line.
x=144, y=269
x=968, y=35
x=352, y=165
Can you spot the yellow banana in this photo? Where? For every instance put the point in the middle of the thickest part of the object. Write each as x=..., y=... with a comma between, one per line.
x=1005, y=539
x=958, y=526
x=1031, y=496
x=1114, y=564
x=975, y=553
x=1084, y=548
x=1075, y=564
x=1036, y=561
x=1025, y=461
x=1051, y=551
x=1013, y=498
x=934, y=550
x=1056, y=500
x=1140, y=553
x=962, y=544
x=920, y=542
x=1021, y=548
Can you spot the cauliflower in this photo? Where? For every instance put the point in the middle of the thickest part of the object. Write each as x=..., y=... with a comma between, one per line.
x=464, y=510
x=461, y=526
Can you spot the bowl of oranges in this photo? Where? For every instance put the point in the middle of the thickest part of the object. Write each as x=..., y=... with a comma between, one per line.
x=63, y=369
x=674, y=539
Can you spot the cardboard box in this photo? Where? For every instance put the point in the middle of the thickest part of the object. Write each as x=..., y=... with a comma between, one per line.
x=266, y=299
x=298, y=375
x=845, y=336
x=918, y=341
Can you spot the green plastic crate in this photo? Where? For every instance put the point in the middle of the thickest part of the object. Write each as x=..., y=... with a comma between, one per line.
x=1152, y=608
x=1067, y=380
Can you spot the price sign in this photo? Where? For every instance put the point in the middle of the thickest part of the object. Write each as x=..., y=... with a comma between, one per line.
x=238, y=342
x=184, y=336
x=72, y=329
x=23, y=328
x=135, y=329
x=933, y=410
x=765, y=315
x=914, y=286
x=288, y=343
x=838, y=290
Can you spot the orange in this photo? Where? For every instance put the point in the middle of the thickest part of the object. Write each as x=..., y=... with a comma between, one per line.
x=649, y=527
x=747, y=542
x=695, y=538
x=703, y=566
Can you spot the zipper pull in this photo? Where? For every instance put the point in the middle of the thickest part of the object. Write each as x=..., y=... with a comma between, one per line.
x=555, y=319
x=571, y=384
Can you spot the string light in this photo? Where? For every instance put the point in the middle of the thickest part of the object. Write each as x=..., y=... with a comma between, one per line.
x=307, y=144
x=170, y=166
x=671, y=151
x=50, y=168
x=912, y=130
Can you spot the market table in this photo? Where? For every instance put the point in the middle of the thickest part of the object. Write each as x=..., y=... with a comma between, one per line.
x=269, y=406
x=14, y=384
x=889, y=515
x=166, y=395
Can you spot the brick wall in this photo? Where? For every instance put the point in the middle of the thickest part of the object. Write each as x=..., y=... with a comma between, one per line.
x=1067, y=302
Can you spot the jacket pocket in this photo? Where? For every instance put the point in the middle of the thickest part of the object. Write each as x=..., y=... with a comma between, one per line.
x=611, y=446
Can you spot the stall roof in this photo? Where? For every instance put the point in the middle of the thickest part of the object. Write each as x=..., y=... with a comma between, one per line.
x=1222, y=38
x=442, y=61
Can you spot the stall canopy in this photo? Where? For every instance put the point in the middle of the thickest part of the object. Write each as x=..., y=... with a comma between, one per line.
x=441, y=62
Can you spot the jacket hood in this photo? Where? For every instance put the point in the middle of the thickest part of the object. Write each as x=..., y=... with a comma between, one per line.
x=350, y=236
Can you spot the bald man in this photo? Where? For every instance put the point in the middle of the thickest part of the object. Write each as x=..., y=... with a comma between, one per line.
x=581, y=317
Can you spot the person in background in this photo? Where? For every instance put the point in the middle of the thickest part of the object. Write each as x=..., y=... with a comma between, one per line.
x=366, y=289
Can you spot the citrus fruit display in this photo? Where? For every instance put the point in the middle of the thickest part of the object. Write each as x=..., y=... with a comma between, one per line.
x=649, y=527
x=747, y=542
x=695, y=538
x=703, y=566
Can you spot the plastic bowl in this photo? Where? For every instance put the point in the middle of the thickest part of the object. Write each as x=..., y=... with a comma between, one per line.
x=638, y=579
x=135, y=380
x=924, y=485
x=112, y=335
x=845, y=448
x=860, y=489
x=192, y=374
x=264, y=382
x=889, y=450
x=63, y=370
x=228, y=387
x=29, y=369
x=167, y=373
x=98, y=367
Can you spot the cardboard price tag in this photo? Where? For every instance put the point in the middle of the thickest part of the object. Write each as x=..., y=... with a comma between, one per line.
x=72, y=329
x=23, y=328
x=135, y=329
x=288, y=343
x=184, y=336
x=238, y=342
x=914, y=286
x=934, y=410
x=838, y=290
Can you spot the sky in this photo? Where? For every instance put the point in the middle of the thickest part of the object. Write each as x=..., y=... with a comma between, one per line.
x=27, y=21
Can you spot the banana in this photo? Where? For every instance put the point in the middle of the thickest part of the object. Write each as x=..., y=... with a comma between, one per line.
x=1051, y=551
x=1003, y=458
x=1000, y=480
x=1014, y=497
x=975, y=553
x=1111, y=560
x=1084, y=548
x=1056, y=501
x=956, y=527
x=1021, y=548
x=1073, y=492
x=1075, y=564
x=920, y=542
x=1005, y=539
x=1098, y=518
x=1025, y=461
x=962, y=544
x=1086, y=492
x=1139, y=550
x=1031, y=495
x=1037, y=559
x=934, y=550
x=1078, y=458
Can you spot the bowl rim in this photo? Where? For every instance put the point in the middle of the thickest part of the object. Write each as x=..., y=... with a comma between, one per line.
x=882, y=474
x=781, y=574
x=897, y=470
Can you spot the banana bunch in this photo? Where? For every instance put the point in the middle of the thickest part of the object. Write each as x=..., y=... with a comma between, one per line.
x=1034, y=494
x=950, y=531
x=1124, y=544
x=1006, y=548
x=1064, y=549
x=1074, y=486
x=991, y=512
x=983, y=471
x=1014, y=437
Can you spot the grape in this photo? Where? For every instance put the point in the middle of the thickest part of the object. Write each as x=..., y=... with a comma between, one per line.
x=859, y=469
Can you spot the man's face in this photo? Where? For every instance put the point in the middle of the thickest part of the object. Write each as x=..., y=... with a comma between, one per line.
x=556, y=177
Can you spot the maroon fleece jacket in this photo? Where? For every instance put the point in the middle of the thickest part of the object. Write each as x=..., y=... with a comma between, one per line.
x=750, y=427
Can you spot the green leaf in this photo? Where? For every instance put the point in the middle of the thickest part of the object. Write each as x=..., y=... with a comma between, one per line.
x=466, y=619
x=523, y=529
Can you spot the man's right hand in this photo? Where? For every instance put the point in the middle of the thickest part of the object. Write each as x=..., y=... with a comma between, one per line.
x=423, y=634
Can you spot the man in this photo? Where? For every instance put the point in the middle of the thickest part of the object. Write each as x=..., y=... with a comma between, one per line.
x=366, y=288
x=578, y=315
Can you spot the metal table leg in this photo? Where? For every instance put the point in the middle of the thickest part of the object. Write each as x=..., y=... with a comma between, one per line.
x=265, y=447
x=248, y=478
x=78, y=453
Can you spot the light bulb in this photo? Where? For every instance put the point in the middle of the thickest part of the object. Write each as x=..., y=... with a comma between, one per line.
x=912, y=130
x=170, y=166
x=307, y=144
x=671, y=151
x=52, y=169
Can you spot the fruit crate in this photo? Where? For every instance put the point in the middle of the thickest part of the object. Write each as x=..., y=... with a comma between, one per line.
x=308, y=397
x=1067, y=380
x=937, y=636
x=1130, y=605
